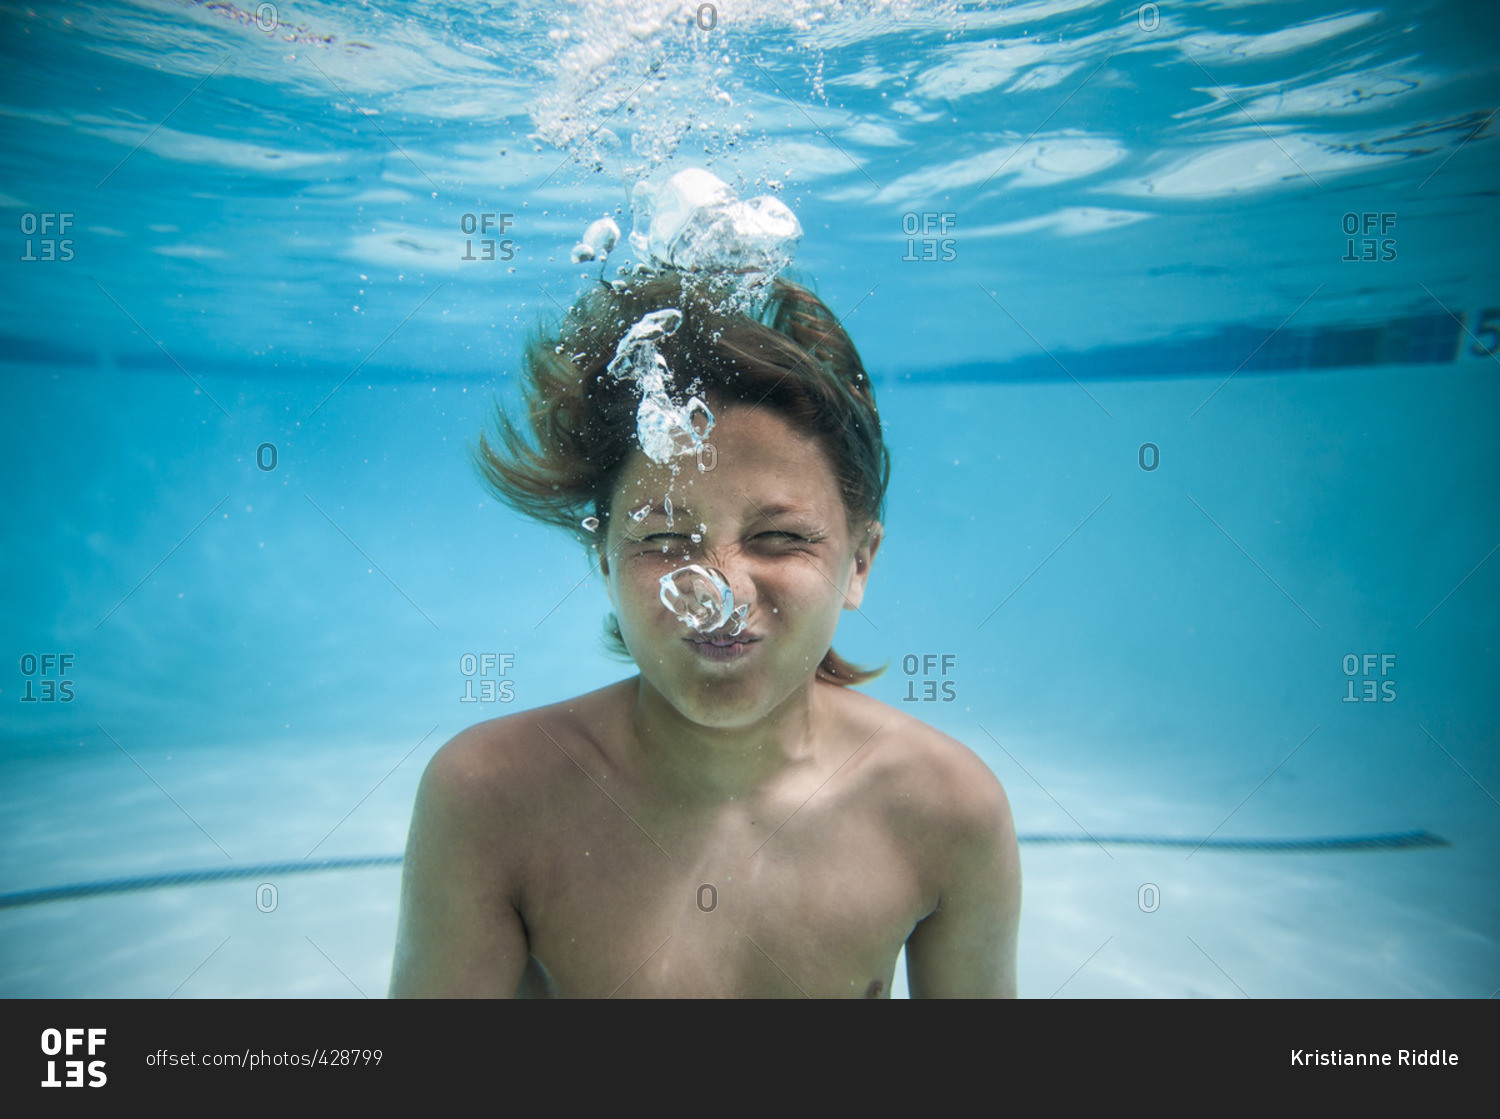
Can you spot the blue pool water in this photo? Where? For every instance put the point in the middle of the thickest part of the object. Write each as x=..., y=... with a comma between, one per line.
x=1170, y=455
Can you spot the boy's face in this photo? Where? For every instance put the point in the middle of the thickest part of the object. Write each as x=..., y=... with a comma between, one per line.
x=774, y=525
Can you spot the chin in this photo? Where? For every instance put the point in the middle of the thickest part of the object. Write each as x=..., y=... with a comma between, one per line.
x=715, y=706
x=727, y=703
x=723, y=696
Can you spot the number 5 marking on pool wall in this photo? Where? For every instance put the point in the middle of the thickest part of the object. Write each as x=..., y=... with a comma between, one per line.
x=1488, y=332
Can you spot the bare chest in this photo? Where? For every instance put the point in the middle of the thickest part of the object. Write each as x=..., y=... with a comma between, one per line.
x=735, y=904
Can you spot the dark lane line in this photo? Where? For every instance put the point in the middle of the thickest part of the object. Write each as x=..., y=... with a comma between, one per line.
x=1389, y=841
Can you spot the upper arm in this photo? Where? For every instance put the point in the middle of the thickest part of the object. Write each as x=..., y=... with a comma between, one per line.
x=459, y=933
x=966, y=948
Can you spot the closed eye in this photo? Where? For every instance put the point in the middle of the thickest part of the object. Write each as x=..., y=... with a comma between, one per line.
x=790, y=540
x=786, y=536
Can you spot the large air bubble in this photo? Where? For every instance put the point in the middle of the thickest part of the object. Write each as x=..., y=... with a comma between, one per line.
x=694, y=222
x=702, y=600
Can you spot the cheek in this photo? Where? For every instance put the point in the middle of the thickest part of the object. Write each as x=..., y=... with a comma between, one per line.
x=638, y=583
x=803, y=595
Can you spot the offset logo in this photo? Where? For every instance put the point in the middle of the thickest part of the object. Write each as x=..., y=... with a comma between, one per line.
x=51, y=244
x=490, y=248
x=1364, y=668
x=66, y=1043
x=491, y=670
x=1371, y=246
x=926, y=666
x=927, y=236
x=46, y=677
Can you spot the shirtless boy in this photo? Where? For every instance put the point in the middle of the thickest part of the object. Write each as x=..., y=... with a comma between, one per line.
x=735, y=820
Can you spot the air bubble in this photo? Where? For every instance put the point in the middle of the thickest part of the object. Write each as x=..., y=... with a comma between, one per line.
x=701, y=599
x=598, y=240
x=695, y=222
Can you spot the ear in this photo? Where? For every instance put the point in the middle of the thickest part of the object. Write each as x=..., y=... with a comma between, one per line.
x=864, y=556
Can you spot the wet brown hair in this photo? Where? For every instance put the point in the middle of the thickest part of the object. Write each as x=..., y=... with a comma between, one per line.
x=792, y=357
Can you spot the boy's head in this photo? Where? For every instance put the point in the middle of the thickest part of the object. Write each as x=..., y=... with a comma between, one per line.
x=793, y=361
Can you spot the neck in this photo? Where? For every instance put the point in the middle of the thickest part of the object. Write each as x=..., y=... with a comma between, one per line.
x=719, y=762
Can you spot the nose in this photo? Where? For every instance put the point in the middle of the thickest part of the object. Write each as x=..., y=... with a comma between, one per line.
x=735, y=567
x=737, y=575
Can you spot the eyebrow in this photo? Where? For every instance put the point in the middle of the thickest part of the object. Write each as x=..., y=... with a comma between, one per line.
x=778, y=509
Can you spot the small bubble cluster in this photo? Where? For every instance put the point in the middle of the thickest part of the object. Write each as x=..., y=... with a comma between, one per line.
x=665, y=428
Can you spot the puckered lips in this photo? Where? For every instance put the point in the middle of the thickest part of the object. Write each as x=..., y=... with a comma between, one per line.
x=721, y=647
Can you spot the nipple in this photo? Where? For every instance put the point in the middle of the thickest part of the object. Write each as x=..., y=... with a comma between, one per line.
x=702, y=600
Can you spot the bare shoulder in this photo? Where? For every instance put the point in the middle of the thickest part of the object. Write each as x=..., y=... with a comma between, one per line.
x=513, y=759
x=471, y=854
x=954, y=820
x=936, y=788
